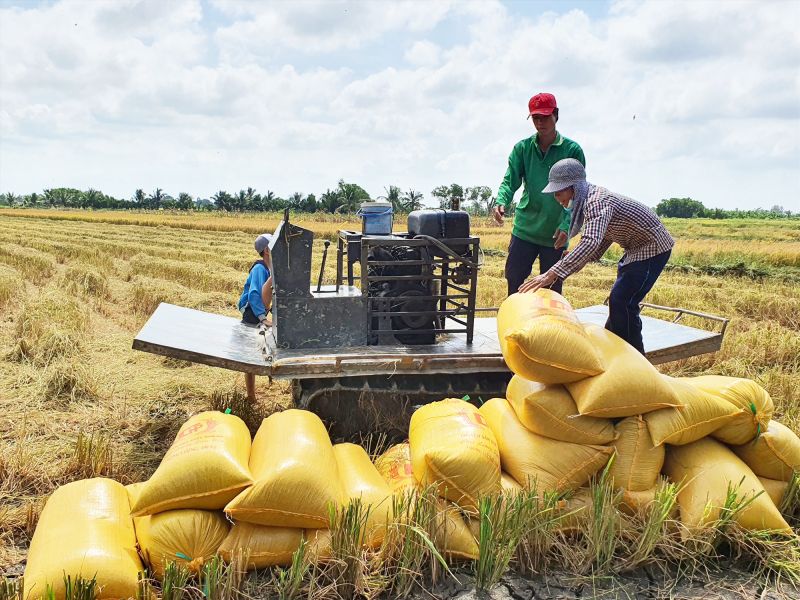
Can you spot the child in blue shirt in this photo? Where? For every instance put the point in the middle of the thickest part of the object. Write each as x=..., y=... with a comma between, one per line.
x=256, y=299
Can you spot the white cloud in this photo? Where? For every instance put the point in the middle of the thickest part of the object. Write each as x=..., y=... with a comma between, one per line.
x=317, y=26
x=423, y=54
x=143, y=94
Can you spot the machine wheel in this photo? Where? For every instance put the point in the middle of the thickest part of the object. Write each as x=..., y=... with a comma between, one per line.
x=355, y=407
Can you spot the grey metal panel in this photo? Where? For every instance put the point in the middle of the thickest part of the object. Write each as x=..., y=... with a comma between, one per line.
x=327, y=321
x=203, y=338
x=664, y=341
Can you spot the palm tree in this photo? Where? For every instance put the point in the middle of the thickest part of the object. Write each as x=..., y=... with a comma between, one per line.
x=412, y=200
x=329, y=201
x=268, y=201
x=393, y=196
x=156, y=198
x=351, y=195
x=222, y=200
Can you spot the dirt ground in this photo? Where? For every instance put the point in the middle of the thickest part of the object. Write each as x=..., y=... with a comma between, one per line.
x=726, y=584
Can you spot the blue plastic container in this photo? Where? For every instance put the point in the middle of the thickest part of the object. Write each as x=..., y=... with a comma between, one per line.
x=376, y=217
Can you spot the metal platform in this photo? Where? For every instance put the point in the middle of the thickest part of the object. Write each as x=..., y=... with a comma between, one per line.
x=225, y=342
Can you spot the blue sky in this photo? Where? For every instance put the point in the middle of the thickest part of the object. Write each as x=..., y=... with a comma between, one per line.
x=202, y=95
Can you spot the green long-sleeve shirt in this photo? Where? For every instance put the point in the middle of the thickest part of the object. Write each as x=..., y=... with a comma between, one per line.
x=538, y=215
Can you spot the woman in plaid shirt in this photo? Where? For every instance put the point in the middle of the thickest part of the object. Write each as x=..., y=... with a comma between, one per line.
x=606, y=218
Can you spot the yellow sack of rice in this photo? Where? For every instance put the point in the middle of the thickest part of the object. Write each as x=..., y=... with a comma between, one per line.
x=574, y=513
x=776, y=489
x=746, y=394
x=508, y=484
x=394, y=465
x=774, y=454
x=638, y=462
x=295, y=472
x=636, y=502
x=542, y=339
x=700, y=415
x=273, y=546
x=629, y=386
x=452, y=448
x=85, y=530
x=204, y=468
x=553, y=465
x=550, y=411
x=133, y=490
x=453, y=536
x=361, y=481
x=187, y=537
x=705, y=469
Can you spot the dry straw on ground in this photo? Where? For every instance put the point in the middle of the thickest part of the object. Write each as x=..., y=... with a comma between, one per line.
x=75, y=287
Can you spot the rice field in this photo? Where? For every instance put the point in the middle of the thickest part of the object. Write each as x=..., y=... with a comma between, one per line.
x=75, y=287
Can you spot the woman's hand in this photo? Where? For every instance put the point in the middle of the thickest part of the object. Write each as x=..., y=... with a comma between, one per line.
x=540, y=281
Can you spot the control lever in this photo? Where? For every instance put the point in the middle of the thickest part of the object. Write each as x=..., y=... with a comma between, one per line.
x=322, y=268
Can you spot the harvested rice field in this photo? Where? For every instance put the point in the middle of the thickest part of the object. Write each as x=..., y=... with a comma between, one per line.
x=77, y=402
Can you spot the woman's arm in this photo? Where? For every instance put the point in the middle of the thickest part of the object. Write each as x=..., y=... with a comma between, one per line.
x=592, y=244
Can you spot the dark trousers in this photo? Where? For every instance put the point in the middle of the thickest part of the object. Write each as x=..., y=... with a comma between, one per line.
x=634, y=280
x=521, y=256
x=249, y=317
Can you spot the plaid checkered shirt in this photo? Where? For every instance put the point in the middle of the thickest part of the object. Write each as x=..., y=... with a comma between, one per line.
x=611, y=218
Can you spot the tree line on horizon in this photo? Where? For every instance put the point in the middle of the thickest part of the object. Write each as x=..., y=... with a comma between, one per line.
x=345, y=198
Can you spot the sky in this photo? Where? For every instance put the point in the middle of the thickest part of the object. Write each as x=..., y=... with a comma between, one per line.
x=667, y=98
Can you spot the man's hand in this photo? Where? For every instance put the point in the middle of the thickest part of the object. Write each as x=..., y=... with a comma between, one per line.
x=498, y=212
x=540, y=281
x=560, y=237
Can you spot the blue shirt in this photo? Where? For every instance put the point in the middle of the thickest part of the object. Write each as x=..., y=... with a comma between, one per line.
x=251, y=295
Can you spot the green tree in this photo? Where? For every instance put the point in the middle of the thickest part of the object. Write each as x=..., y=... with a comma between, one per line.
x=269, y=201
x=10, y=199
x=185, y=201
x=684, y=208
x=155, y=199
x=479, y=199
x=394, y=196
x=222, y=200
x=92, y=198
x=449, y=196
x=351, y=195
x=139, y=198
x=329, y=201
x=412, y=200
x=309, y=204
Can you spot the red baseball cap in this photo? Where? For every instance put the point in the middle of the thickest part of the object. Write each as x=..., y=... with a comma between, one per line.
x=542, y=104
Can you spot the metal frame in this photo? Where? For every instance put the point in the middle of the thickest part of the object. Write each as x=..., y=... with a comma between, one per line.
x=456, y=301
x=682, y=311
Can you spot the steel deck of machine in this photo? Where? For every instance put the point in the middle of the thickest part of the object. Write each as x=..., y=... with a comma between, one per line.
x=225, y=342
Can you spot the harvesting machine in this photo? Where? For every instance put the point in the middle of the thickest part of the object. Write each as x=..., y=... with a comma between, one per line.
x=398, y=327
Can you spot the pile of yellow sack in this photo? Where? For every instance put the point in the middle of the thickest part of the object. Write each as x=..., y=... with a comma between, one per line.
x=580, y=393
x=578, y=396
x=216, y=493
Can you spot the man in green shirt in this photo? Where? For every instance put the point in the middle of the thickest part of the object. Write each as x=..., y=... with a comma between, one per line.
x=540, y=223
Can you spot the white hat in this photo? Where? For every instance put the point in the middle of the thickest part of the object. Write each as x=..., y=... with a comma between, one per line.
x=262, y=243
x=565, y=173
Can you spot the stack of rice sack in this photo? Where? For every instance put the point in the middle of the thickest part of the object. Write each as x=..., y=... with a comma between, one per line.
x=85, y=530
x=580, y=393
x=452, y=533
x=276, y=493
